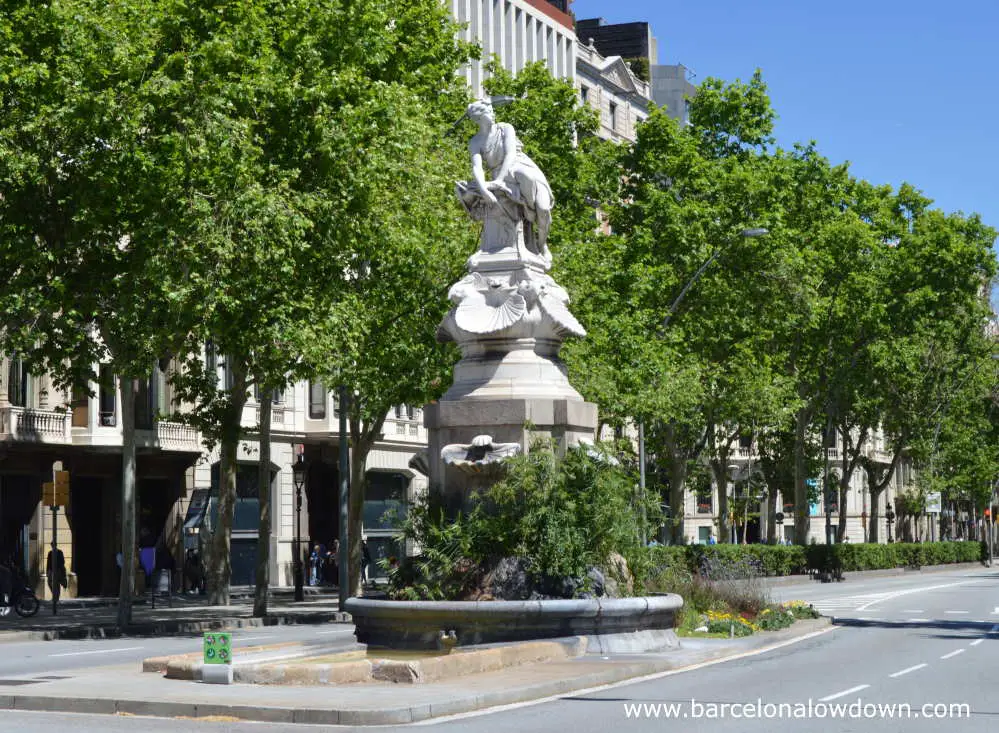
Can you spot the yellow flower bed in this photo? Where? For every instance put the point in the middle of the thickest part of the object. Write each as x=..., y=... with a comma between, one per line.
x=722, y=618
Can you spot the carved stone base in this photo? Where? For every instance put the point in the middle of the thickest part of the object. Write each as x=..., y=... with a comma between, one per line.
x=568, y=422
x=509, y=368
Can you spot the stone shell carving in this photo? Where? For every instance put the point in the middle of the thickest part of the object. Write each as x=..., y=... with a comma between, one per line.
x=479, y=455
x=486, y=305
x=493, y=305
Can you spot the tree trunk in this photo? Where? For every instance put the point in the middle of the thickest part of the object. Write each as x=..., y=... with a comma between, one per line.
x=264, y=497
x=873, y=523
x=362, y=440
x=677, y=486
x=720, y=472
x=801, y=506
x=126, y=588
x=771, y=518
x=220, y=562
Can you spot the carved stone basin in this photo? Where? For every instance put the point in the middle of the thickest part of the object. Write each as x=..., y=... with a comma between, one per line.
x=611, y=624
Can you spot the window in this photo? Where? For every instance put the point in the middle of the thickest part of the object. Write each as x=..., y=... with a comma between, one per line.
x=81, y=408
x=277, y=396
x=107, y=396
x=317, y=400
x=211, y=361
x=612, y=113
x=705, y=500
x=17, y=383
x=584, y=94
x=144, y=404
x=385, y=500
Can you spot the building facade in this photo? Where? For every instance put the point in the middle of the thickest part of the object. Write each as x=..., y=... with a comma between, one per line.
x=608, y=85
x=672, y=89
x=517, y=33
x=43, y=429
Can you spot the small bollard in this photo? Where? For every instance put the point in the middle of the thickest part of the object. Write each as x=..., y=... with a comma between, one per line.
x=216, y=667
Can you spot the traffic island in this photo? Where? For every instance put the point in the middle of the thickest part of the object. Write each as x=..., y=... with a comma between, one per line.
x=118, y=691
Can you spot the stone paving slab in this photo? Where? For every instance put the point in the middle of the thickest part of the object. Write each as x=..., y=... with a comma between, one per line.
x=124, y=689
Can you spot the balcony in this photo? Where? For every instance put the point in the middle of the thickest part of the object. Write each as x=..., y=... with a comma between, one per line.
x=30, y=425
x=177, y=436
x=406, y=430
x=169, y=436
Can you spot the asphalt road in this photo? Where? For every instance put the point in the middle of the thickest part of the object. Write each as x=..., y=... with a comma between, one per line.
x=900, y=644
x=54, y=657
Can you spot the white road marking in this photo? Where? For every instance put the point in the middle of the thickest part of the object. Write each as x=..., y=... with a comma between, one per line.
x=99, y=651
x=996, y=611
x=953, y=653
x=976, y=642
x=909, y=669
x=327, y=633
x=913, y=610
x=252, y=638
x=858, y=688
x=916, y=620
x=955, y=612
x=887, y=596
x=622, y=683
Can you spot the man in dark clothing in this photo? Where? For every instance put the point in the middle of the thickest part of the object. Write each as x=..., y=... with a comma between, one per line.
x=55, y=569
x=365, y=559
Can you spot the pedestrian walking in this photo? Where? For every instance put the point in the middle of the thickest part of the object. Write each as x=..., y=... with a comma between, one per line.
x=365, y=560
x=315, y=565
x=55, y=571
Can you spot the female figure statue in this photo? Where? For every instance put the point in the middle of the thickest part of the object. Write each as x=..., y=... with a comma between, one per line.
x=495, y=147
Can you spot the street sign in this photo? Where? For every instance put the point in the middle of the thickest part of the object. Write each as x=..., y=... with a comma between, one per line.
x=218, y=647
x=933, y=502
x=55, y=495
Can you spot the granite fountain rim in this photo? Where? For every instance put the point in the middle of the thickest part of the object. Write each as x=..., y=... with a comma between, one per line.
x=572, y=607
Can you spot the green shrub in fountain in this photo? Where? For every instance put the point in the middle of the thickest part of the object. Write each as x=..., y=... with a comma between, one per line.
x=559, y=516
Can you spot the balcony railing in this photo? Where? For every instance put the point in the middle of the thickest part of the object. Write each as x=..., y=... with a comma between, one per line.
x=35, y=426
x=177, y=436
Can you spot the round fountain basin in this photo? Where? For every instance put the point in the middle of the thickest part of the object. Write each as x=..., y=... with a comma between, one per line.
x=612, y=624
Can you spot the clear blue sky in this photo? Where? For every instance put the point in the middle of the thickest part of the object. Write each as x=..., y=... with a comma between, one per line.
x=906, y=90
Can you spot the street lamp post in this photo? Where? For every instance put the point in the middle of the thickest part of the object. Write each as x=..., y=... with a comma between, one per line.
x=745, y=234
x=344, y=557
x=889, y=520
x=298, y=469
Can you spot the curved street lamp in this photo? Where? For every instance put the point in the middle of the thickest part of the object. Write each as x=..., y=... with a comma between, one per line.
x=298, y=470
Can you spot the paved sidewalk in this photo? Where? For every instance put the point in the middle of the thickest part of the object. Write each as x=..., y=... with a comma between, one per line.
x=124, y=689
x=185, y=614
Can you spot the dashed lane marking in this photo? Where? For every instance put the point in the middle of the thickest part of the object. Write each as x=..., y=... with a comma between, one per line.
x=835, y=695
x=909, y=669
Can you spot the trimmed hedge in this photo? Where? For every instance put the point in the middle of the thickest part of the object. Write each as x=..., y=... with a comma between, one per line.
x=794, y=559
x=897, y=555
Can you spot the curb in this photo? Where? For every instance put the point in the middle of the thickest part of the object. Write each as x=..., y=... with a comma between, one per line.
x=168, y=627
x=411, y=713
x=782, y=580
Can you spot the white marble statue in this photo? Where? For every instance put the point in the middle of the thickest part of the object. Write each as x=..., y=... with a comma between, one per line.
x=517, y=190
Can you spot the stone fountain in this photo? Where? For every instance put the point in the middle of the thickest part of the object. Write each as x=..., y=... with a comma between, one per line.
x=509, y=319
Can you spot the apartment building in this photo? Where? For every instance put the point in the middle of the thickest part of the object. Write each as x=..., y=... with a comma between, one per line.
x=517, y=32
x=750, y=504
x=43, y=428
x=611, y=87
